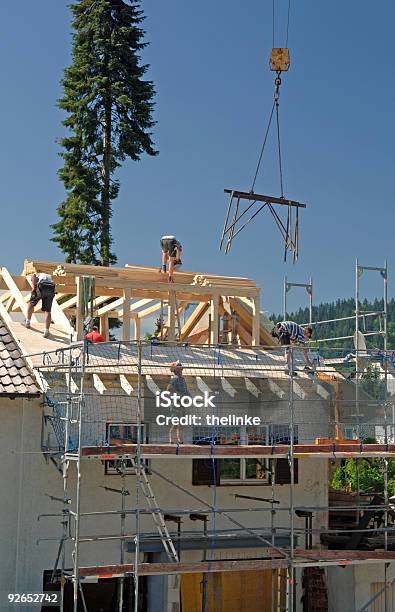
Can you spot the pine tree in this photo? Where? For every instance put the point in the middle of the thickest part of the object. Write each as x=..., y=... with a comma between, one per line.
x=109, y=116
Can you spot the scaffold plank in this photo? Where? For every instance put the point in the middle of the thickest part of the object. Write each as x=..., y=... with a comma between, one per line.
x=190, y=451
x=302, y=557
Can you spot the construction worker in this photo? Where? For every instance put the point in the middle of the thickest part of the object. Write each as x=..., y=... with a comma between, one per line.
x=94, y=336
x=44, y=290
x=289, y=332
x=171, y=252
x=177, y=385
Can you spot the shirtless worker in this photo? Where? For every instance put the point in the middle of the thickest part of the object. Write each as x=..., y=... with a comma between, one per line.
x=44, y=290
x=288, y=332
x=171, y=252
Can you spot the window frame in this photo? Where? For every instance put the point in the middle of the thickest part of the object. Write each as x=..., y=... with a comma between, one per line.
x=243, y=436
x=276, y=433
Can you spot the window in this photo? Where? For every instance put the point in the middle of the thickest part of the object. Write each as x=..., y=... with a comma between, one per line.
x=116, y=435
x=231, y=471
x=245, y=470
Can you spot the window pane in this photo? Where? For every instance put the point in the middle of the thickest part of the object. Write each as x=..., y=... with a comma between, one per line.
x=255, y=469
x=230, y=469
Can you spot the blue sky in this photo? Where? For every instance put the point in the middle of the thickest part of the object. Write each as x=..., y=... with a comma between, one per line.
x=209, y=62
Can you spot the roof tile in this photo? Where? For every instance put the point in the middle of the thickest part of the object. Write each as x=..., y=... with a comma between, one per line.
x=15, y=376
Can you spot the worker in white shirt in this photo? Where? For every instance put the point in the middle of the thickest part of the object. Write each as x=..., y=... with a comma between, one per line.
x=44, y=290
x=171, y=252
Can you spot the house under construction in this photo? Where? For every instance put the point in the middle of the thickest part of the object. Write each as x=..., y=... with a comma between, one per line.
x=107, y=509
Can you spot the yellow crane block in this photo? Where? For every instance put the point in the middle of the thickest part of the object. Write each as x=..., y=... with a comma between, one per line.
x=280, y=59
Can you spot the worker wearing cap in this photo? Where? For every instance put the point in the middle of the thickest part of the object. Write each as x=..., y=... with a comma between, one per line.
x=44, y=290
x=171, y=252
x=177, y=385
x=289, y=332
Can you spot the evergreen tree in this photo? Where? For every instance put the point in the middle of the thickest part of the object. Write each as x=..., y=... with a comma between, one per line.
x=109, y=116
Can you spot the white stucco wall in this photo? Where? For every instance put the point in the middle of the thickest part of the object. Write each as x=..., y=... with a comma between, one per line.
x=364, y=576
x=27, y=480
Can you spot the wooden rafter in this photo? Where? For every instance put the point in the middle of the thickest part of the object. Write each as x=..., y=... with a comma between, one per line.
x=15, y=292
x=193, y=319
x=144, y=288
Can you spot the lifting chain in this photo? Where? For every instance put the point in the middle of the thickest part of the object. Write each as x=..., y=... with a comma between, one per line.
x=277, y=82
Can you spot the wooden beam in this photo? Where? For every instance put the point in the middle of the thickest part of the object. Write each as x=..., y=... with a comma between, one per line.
x=178, y=311
x=244, y=335
x=151, y=384
x=72, y=301
x=134, y=306
x=137, y=329
x=112, y=305
x=193, y=319
x=297, y=389
x=9, y=303
x=243, y=310
x=60, y=318
x=99, y=384
x=125, y=384
x=150, y=310
x=227, y=387
x=20, y=281
x=127, y=294
x=79, y=323
x=104, y=326
x=16, y=293
x=214, y=311
x=256, y=320
x=276, y=389
x=202, y=385
x=71, y=382
x=171, y=310
x=252, y=388
x=5, y=296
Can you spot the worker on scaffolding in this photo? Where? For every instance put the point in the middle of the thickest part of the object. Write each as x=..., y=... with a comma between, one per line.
x=44, y=290
x=171, y=253
x=178, y=386
x=289, y=332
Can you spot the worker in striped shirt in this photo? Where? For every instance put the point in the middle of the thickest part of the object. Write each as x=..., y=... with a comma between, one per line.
x=289, y=332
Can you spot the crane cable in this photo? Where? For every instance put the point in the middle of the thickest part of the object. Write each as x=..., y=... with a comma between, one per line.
x=275, y=107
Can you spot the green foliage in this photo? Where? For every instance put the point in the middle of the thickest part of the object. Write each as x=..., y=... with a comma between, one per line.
x=372, y=382
x=371, y=476
x=108, y=107
x=345, y=308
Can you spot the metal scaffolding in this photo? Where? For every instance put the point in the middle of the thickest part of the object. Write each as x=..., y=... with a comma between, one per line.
x=76, y=417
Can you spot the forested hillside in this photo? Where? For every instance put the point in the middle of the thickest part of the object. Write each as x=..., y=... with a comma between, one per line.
x=346, y=308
